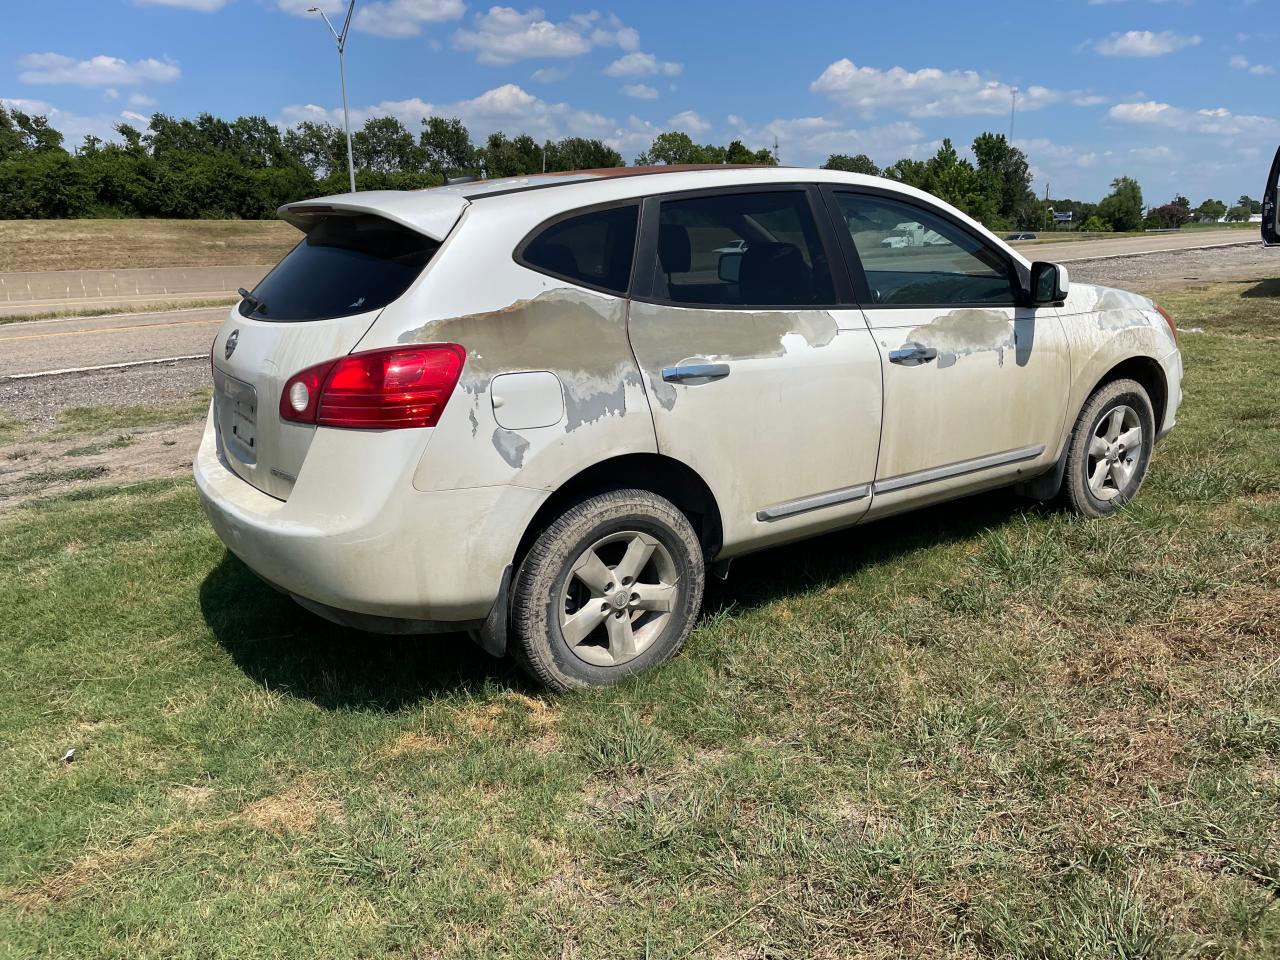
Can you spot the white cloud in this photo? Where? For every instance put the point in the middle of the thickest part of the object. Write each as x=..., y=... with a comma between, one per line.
x=504, y=35
x=101, y=71
x=1214, y=122
x=1156, y=154
x=141, y=100
x=1144, y=43
x=1090, y=100
x=641, y=91
x=640, y=64
x=509, y=108
x=404, y=18
x=384, y=18
x=204, y=6
x=928, y=92
x=1257, y=69
x=808, y=141
x=689, y=121
x=549, y=74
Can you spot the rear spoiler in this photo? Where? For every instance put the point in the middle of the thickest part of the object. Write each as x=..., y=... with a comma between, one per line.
x=428, y=212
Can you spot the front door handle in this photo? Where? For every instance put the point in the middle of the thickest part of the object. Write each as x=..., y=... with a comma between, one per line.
x=695, y=371
x=913, y=354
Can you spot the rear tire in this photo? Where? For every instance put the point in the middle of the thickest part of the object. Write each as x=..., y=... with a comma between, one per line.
x=611, y=588
x=1110, y=449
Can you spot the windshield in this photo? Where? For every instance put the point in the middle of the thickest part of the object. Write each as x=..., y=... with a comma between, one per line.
x=345, y=265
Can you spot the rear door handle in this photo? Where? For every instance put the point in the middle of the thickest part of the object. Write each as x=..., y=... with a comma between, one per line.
x=695, y=371
x=913, y=354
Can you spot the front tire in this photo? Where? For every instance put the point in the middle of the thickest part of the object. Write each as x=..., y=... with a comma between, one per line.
x=1110, y=449
x=611, y=588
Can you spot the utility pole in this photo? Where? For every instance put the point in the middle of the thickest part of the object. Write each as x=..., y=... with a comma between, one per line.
x=341, y=39
x=1013, y=109
x=775, y=149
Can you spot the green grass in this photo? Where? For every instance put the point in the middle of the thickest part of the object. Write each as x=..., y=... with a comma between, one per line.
x=108, y=419
x=163, y=307
x=985, y=730
x=10, y=429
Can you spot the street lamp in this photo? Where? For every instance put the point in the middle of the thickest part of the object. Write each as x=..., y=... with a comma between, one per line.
x=341, y=39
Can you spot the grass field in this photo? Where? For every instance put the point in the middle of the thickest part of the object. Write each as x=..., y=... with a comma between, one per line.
x=32, y=245
x=987, y=730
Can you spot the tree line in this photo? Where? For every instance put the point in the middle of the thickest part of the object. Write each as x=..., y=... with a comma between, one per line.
x=245, y=168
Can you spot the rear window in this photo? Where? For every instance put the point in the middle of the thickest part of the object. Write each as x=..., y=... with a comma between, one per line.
x=593, y=249
x=345, y=265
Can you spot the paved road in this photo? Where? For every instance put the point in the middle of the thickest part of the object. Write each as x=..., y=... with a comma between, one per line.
x=1068, y=250
x=76, y=342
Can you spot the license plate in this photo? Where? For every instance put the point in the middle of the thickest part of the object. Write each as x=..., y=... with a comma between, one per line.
x=237, y=417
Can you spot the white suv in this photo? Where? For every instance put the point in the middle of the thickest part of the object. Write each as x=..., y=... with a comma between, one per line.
x=538, y=409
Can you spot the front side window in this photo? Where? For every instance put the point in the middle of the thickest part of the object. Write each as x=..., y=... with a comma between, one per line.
x=594, y=248
x=345, y=265
x=912, y=257
x=738, y=250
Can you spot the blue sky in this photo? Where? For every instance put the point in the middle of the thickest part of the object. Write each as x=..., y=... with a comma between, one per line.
x=1182, y=94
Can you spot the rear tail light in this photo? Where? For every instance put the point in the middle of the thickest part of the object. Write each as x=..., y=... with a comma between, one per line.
x=377, y=389
x=1173, y=327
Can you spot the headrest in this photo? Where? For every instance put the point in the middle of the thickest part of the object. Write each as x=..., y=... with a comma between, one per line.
x=774, y=273
x=673, y=248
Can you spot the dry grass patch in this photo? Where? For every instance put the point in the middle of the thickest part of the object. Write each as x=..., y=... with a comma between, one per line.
x=38, y=245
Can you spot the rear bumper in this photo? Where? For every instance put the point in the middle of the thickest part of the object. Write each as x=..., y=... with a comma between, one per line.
x=357, y=543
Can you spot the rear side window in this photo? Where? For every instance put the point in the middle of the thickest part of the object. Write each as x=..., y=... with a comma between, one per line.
x=593, y=249
x=345, y=265
x=758, y=249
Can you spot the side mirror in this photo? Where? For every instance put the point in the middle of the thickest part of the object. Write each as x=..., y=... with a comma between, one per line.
x=730, y=267
x=1049, y=283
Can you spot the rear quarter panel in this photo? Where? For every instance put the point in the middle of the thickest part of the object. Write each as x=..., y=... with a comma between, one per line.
x=511, y=319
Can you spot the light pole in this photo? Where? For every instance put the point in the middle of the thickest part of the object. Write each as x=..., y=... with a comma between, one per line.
x=1013, y=109
x=341, y=38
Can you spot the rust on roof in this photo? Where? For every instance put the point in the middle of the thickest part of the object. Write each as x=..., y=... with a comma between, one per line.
x=537, y=181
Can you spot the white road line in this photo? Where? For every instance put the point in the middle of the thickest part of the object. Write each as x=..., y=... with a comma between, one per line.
x=1149, y=253
x=104, y=366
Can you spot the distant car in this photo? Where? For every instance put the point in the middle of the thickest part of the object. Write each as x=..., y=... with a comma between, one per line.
x=1021, y=236
x=733, y=246
x=1271, y=206
x=522, y=408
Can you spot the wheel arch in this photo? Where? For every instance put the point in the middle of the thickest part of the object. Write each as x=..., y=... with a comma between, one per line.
x=659, y=474
x=1146, y=371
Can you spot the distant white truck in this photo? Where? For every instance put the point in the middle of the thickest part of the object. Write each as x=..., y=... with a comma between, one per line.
x=912, y=235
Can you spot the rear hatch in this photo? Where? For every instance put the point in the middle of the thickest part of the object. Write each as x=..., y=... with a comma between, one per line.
x=357, y=256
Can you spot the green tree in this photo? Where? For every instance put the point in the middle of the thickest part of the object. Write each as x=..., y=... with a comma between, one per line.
x=1238, y=214
x=383, y=144
x=318, y=146
x=1211, y=211
x=1250, y=204
x=738, y=152
x=1095, y=224
x=503, y=157
x=672, y=147
x=914, y=173
x=857, y=164
x=447, y=149
x=577, y=153
x=1005, y=178
x=1122, y=207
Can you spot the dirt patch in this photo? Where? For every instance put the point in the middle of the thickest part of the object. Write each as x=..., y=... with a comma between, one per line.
x=52, y=466
x=294, y=810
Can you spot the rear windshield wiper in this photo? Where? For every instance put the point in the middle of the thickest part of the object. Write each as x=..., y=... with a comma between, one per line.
x=256, y=304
